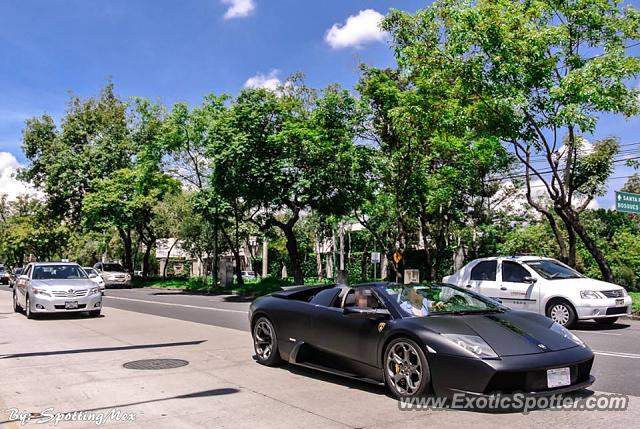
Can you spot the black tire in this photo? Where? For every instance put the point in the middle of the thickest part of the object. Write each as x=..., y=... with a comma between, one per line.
x=561, y=312
x=27, y=309
x=95, y=313
x=264, y=337
x=402, y=386
x=16, y=306
x=606, y=320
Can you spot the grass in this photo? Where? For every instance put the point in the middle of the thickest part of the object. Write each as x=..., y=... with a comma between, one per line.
x=635, y=296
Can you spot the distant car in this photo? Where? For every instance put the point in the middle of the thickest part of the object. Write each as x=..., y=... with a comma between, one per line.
x=545, y=286
x=56, y=287
x=5, y=276
x=113, y=274
x=14, y=276
x=97, y=279
x=419, y=339
x=249, y=275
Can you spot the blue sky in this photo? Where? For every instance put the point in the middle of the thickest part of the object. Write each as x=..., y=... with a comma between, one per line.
x=172, y=51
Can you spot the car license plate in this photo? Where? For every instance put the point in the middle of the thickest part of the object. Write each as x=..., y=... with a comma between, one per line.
x=558, y=377
x=620, y=301
x=70, y=305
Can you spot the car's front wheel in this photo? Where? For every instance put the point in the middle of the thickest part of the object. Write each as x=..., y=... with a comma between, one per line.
x=265, y=342
x=606, y=320
x=27, y=309
x=406, y=370
x=94, y=313
x=562, y=313
x=16, y=306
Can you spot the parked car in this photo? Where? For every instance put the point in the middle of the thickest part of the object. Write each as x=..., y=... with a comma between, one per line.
x=14, y=276
x=5, y=276
x=56, y=287
x=97, y=279
x=419, y=339
x=249, y=275
x=113, y=274
x=545, y=286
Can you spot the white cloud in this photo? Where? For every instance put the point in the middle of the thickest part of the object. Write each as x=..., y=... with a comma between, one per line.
x=269, y=81
x=239, y=8
x=9, y=185
x=357, y=31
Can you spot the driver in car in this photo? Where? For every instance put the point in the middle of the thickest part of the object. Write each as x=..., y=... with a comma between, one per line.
x=417, y=304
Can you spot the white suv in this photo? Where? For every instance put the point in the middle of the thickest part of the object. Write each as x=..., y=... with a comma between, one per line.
x=545, y=286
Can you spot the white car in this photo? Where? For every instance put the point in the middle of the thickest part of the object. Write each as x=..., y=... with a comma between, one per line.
x=545, y=286
x=97, y=279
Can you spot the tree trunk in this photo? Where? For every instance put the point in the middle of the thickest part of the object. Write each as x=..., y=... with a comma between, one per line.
x=145, y=261
x=236, y=257
x=607, y=274
x=570, y=257
x=166, y=264
x=318, y=259
x=125, y=236
x=294, y=255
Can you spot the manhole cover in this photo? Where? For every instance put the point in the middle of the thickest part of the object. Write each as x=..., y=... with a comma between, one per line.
x=156, y=364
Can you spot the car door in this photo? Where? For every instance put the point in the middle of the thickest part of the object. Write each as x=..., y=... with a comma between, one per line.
x=482, y=278
x=22, y=283
x=517, y=290
x=350, y=338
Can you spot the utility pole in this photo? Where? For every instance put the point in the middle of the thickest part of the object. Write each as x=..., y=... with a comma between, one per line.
x=265, y=258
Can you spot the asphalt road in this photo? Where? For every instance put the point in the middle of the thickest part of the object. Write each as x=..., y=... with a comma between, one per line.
x=617, y=348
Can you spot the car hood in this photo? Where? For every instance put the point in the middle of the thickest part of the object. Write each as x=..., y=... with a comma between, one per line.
x=585, y=283
x=510, y=333
x=64, y=283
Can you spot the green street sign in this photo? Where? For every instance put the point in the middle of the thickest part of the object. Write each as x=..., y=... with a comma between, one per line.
x=627, y=202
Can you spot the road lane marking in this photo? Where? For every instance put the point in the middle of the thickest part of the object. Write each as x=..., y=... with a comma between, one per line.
x=617, y=354
x=599, y=333
x=177, y=305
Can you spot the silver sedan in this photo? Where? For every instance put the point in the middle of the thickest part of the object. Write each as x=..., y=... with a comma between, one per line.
x=56, y=287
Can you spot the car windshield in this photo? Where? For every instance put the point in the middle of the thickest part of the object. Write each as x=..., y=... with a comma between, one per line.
x=553, y=270
x=58, y=272
x=424, y=300
x=90, y=270
x=113, y=268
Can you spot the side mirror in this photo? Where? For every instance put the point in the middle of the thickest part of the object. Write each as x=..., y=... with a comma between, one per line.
x=366, y=313
x=530, y=279
x=93, y=276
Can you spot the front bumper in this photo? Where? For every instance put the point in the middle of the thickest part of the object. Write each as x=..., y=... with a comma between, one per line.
x=45, y=304
x=600, y=308
x=510, y=374
x=117, y=283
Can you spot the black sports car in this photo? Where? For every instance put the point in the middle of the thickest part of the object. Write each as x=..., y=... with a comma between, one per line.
x=419, y=339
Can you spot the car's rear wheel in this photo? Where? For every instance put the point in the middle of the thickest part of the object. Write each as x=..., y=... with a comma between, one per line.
x=606, y=320
x=562, y=313
x=16, y=306
x=265, y=342
x=406, y=370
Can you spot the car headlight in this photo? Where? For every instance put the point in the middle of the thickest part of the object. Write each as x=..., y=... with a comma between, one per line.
x=624, y=292
x=43, y=292
x=473, y=344
x=590, y=294
x=94, y=291
x=559, y=329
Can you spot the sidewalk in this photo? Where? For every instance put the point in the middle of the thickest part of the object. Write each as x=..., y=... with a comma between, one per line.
x=72, y=364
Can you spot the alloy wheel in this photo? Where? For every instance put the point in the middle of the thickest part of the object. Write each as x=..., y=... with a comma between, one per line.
x=560, y=314
x=404, y=368
x=263, y=339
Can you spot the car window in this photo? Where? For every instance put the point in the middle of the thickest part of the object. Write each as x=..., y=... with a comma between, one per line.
x=58, y=272
x=514, y=272
x=113, y=268
x=326, y=297
x=553, y=270
x=485, y=270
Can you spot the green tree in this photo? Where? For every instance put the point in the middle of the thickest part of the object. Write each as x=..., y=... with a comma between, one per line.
x=528, y=72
